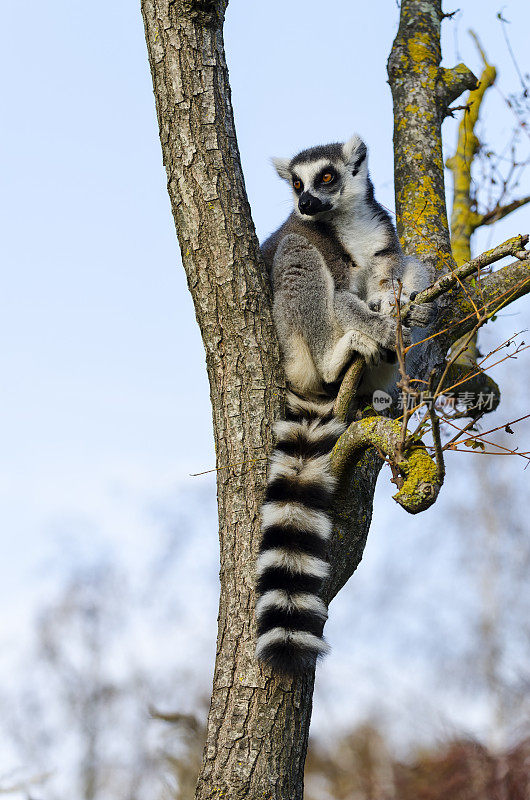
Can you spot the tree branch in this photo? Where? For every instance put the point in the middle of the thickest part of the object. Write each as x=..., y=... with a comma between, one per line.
x=348, y=389
x=414, y=77
x=496, y=291
x=258, y=723
x=512, y=247
x=415, y=472
x=464, y=221
x=452, y=82
x=499, y=212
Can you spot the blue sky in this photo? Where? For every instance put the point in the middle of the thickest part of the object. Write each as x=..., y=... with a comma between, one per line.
x=105, y=405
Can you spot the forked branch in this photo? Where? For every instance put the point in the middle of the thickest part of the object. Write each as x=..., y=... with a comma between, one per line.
x=414, y=471
x=452, y=82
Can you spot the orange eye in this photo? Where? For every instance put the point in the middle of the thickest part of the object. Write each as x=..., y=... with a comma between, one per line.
x=297, y=184
x=327, y=177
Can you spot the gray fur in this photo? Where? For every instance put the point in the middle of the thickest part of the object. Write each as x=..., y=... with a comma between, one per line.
x=335, y=272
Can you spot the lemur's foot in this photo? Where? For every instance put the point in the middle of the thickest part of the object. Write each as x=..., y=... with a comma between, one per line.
x=421, y=315
x=351, y=344
x=389, y=335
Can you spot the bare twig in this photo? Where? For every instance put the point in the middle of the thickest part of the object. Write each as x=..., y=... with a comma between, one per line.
x=435, y=424
x=512, y=247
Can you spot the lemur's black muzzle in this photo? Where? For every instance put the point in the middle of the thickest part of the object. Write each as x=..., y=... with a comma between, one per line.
x=308, y=204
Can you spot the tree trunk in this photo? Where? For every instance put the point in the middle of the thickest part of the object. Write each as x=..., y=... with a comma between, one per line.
x=258, y=726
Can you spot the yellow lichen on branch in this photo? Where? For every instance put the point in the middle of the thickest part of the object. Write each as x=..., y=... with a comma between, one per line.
x=415, y=473
x=511, y=247
x=421, y=480
x=452, y=82
x=464, y=220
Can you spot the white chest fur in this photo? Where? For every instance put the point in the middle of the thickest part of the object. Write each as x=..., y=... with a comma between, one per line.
x=361, y=234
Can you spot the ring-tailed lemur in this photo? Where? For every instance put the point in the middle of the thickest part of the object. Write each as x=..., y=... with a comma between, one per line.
x=335, y=266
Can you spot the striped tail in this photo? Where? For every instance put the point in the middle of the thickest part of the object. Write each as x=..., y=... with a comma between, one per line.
x=296, y=525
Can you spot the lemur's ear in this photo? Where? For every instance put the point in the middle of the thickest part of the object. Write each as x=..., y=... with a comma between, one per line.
x=354, y=152
x=281, y=165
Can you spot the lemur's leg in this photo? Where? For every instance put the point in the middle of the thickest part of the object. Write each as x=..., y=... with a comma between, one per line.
x=349, y=345
x=303, y=311
x=366, y=332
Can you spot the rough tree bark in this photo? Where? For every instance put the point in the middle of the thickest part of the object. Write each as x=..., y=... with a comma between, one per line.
x=258, y=724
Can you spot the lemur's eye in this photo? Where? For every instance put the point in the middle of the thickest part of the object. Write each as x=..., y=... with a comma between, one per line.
x=327, y=177
x=297, y=183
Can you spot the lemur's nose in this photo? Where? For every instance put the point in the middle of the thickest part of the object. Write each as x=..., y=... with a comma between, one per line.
x=307, y=203
x=304, y=202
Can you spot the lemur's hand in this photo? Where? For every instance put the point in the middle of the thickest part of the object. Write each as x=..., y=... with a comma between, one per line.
x=364, y=345
x=350, y=345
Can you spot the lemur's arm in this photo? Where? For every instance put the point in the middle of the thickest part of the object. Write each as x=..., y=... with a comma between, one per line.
x=383, y=291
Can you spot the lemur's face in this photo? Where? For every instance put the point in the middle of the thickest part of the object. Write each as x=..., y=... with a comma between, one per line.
x=325, y=179
x=316, y=186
